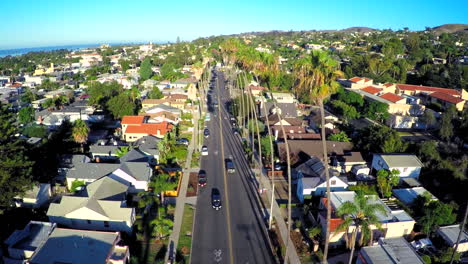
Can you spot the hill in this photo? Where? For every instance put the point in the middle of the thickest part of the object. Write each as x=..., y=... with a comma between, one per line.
x=358, y=29
x=451, y=28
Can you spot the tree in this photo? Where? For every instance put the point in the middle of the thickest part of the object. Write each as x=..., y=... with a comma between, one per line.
x=380, y=139
x=77, y=184
x=252, y=126
x=145, y=69
x=348, y=112
x=427, y=151
x=377, y=111
x=350, y=98
x=155, y=93
x=428, y=118
x=122, y=151
x=386, y=180
x=49, y=103
x=121, y=105
x=80, y=132
x=101, y=93
x=341, y=137
x=124, y=64
x=34, y=130
x=26, y=115
x=362, y=214
x=446, y=127
x=316, y=76
x=162, y=227
x=266, y=146
x=435, y=214
x=161, y=183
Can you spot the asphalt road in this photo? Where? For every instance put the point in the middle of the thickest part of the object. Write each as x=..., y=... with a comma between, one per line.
x=236, y=233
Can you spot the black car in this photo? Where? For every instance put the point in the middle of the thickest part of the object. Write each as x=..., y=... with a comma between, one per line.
x=206, y=132
x=234, y=123
x=235, y=131
x=183, y=141
x=215, y=199
x=202, y=178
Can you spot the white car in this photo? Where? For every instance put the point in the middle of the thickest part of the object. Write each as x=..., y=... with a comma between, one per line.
x=204, y=151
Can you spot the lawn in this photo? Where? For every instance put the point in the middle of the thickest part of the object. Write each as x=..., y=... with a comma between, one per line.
x=185, y=241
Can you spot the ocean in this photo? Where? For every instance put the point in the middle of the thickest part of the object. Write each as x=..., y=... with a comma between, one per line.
x=18, y=52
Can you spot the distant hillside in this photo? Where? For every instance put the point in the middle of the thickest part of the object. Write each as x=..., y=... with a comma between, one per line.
x=358, y=29
x=451, y=28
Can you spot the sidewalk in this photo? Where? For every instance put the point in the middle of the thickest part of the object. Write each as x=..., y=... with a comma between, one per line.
x=279, y=219
x=181, y=198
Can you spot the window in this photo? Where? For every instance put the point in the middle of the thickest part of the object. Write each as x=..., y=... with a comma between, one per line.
x=333, y=182
x=405, y=169
x=106, y=223
x=89, y=222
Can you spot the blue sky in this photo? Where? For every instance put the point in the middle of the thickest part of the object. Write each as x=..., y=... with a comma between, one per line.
x=36, y=23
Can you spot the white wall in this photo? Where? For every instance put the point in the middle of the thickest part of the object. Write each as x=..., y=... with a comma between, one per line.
x=412, y=172
x=122, y=226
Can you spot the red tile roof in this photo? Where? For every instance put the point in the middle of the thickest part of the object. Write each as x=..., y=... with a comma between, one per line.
x=150, y=128
x=367, y=79
x=355, y=79
x=132, y=120
x=391, y=97
x=446, y=97
x=371, y=90
x=335, y=223
x=388, y=84
x=409, y=87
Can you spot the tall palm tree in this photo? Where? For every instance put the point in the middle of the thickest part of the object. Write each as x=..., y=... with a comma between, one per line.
x=316, y=76
x=80, y=132
x=362, y=215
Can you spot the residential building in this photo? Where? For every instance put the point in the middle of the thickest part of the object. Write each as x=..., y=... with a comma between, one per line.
x=286, y=110
x=450, y=235
x=81, y=246
x=136, y=127
x=389, y=251
x=160, y=113
x=36, y=197
x=358, y=82
x=256, y=90
x=100, y=206
x=23, y=243
x=408, y=195
x=148, y=103
x=42, y=71
x=408, y=165
x=395, y=221
x=283, y=98
x=301, y=150
x=293, y=133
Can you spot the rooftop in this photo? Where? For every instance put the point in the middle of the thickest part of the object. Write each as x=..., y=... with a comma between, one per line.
x=75, y=246
x=391, y=251
x=150, y=128
x=408, y=195
x=391, y=97
x=450, y=234
x=132, y=120
x=446, y=97
x=410, y=87
x=401, y=160
x=32, y=236
x=371, y=90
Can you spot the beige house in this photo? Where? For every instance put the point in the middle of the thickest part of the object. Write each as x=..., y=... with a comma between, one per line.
x=395, y=223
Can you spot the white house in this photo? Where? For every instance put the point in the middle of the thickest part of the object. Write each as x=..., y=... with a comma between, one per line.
x=316, y=186
x=408, y=165
x=36, y=197
x=450, y=235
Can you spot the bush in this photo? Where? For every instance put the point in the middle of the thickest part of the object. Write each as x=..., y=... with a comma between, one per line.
x=426, y=259
x=76, y=184
x=35, y=131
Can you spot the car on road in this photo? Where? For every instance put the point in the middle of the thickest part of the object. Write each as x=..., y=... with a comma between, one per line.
x=208, y=117
x=202, y=178
x=235, y=131
x=183, y=141
x=230, y=166
x=233, y=123
x=206, y=132
x=215, y=199
x=232, y=118
x=204, y=151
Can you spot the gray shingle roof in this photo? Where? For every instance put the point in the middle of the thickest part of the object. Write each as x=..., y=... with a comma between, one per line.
x=91, y=170
x=450, y=234
x=134, y=155
x=99, y=149
x=75, y=246
x=138, y=170
x=287, y=109
x=148, y=145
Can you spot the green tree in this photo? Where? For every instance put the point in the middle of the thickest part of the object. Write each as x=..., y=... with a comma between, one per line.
x=380, y=139
x=316, y=76
x=145, y=69
x=341, y=137
x=362, y=215
x=252, y=126
x=28, y=96
x=124, y=64
x=429, y=119
x=122, y=151
x=121, y=105
x=377, y=111
x=80, y=132
x=26, y=115
x=446, y=127
x=348, y=112
x=101, y=93
x=155, y=93
x=427, y=151
x=386, y=180
x=266, y=147
x=350, y=98
x=49, y=103
x=77, y=184
x=435, y=214
x=162, y=227
x=35, y=131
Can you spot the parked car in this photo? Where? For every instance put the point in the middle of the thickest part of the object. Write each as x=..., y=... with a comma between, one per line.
x=215, y=199
x=204, y=151
x=235, y=131
x=183, y=141
x=202, y=178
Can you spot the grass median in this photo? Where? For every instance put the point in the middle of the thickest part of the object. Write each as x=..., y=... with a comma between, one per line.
x=185, y=236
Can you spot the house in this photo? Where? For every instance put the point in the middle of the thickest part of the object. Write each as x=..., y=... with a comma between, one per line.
x=315, y=120
x=358, y=82
x=81, y=246
x=450, y=235
x=286, y=110
x=256, y=90
x=148, y=103
x=395, y=222
x=23, y=243
x=100, y=206
x=389, y=251
x=149, y=146
x=162, y=112
x=293, y=133
x=134, y=170
x=301, y=150
x=192, y=92
x=311, y=180
x=408, y=165
x=36, y=197
x=444, y=96
x=136, y=127
x=447, y=100
x=408, y=195
x=274, y=120
x=104, y=152
x=282, y=98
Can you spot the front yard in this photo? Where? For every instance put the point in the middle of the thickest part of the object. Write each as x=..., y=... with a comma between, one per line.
x=185, y=237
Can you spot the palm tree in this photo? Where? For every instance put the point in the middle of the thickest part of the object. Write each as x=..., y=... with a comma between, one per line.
x=361, y=213
x=316, y=76
x=80, y=132
x=161, y=227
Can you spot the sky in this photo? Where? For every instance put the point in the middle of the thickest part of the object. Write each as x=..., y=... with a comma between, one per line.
x=39, y=23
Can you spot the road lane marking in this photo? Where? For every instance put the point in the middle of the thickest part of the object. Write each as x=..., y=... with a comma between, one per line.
x=223, y=165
